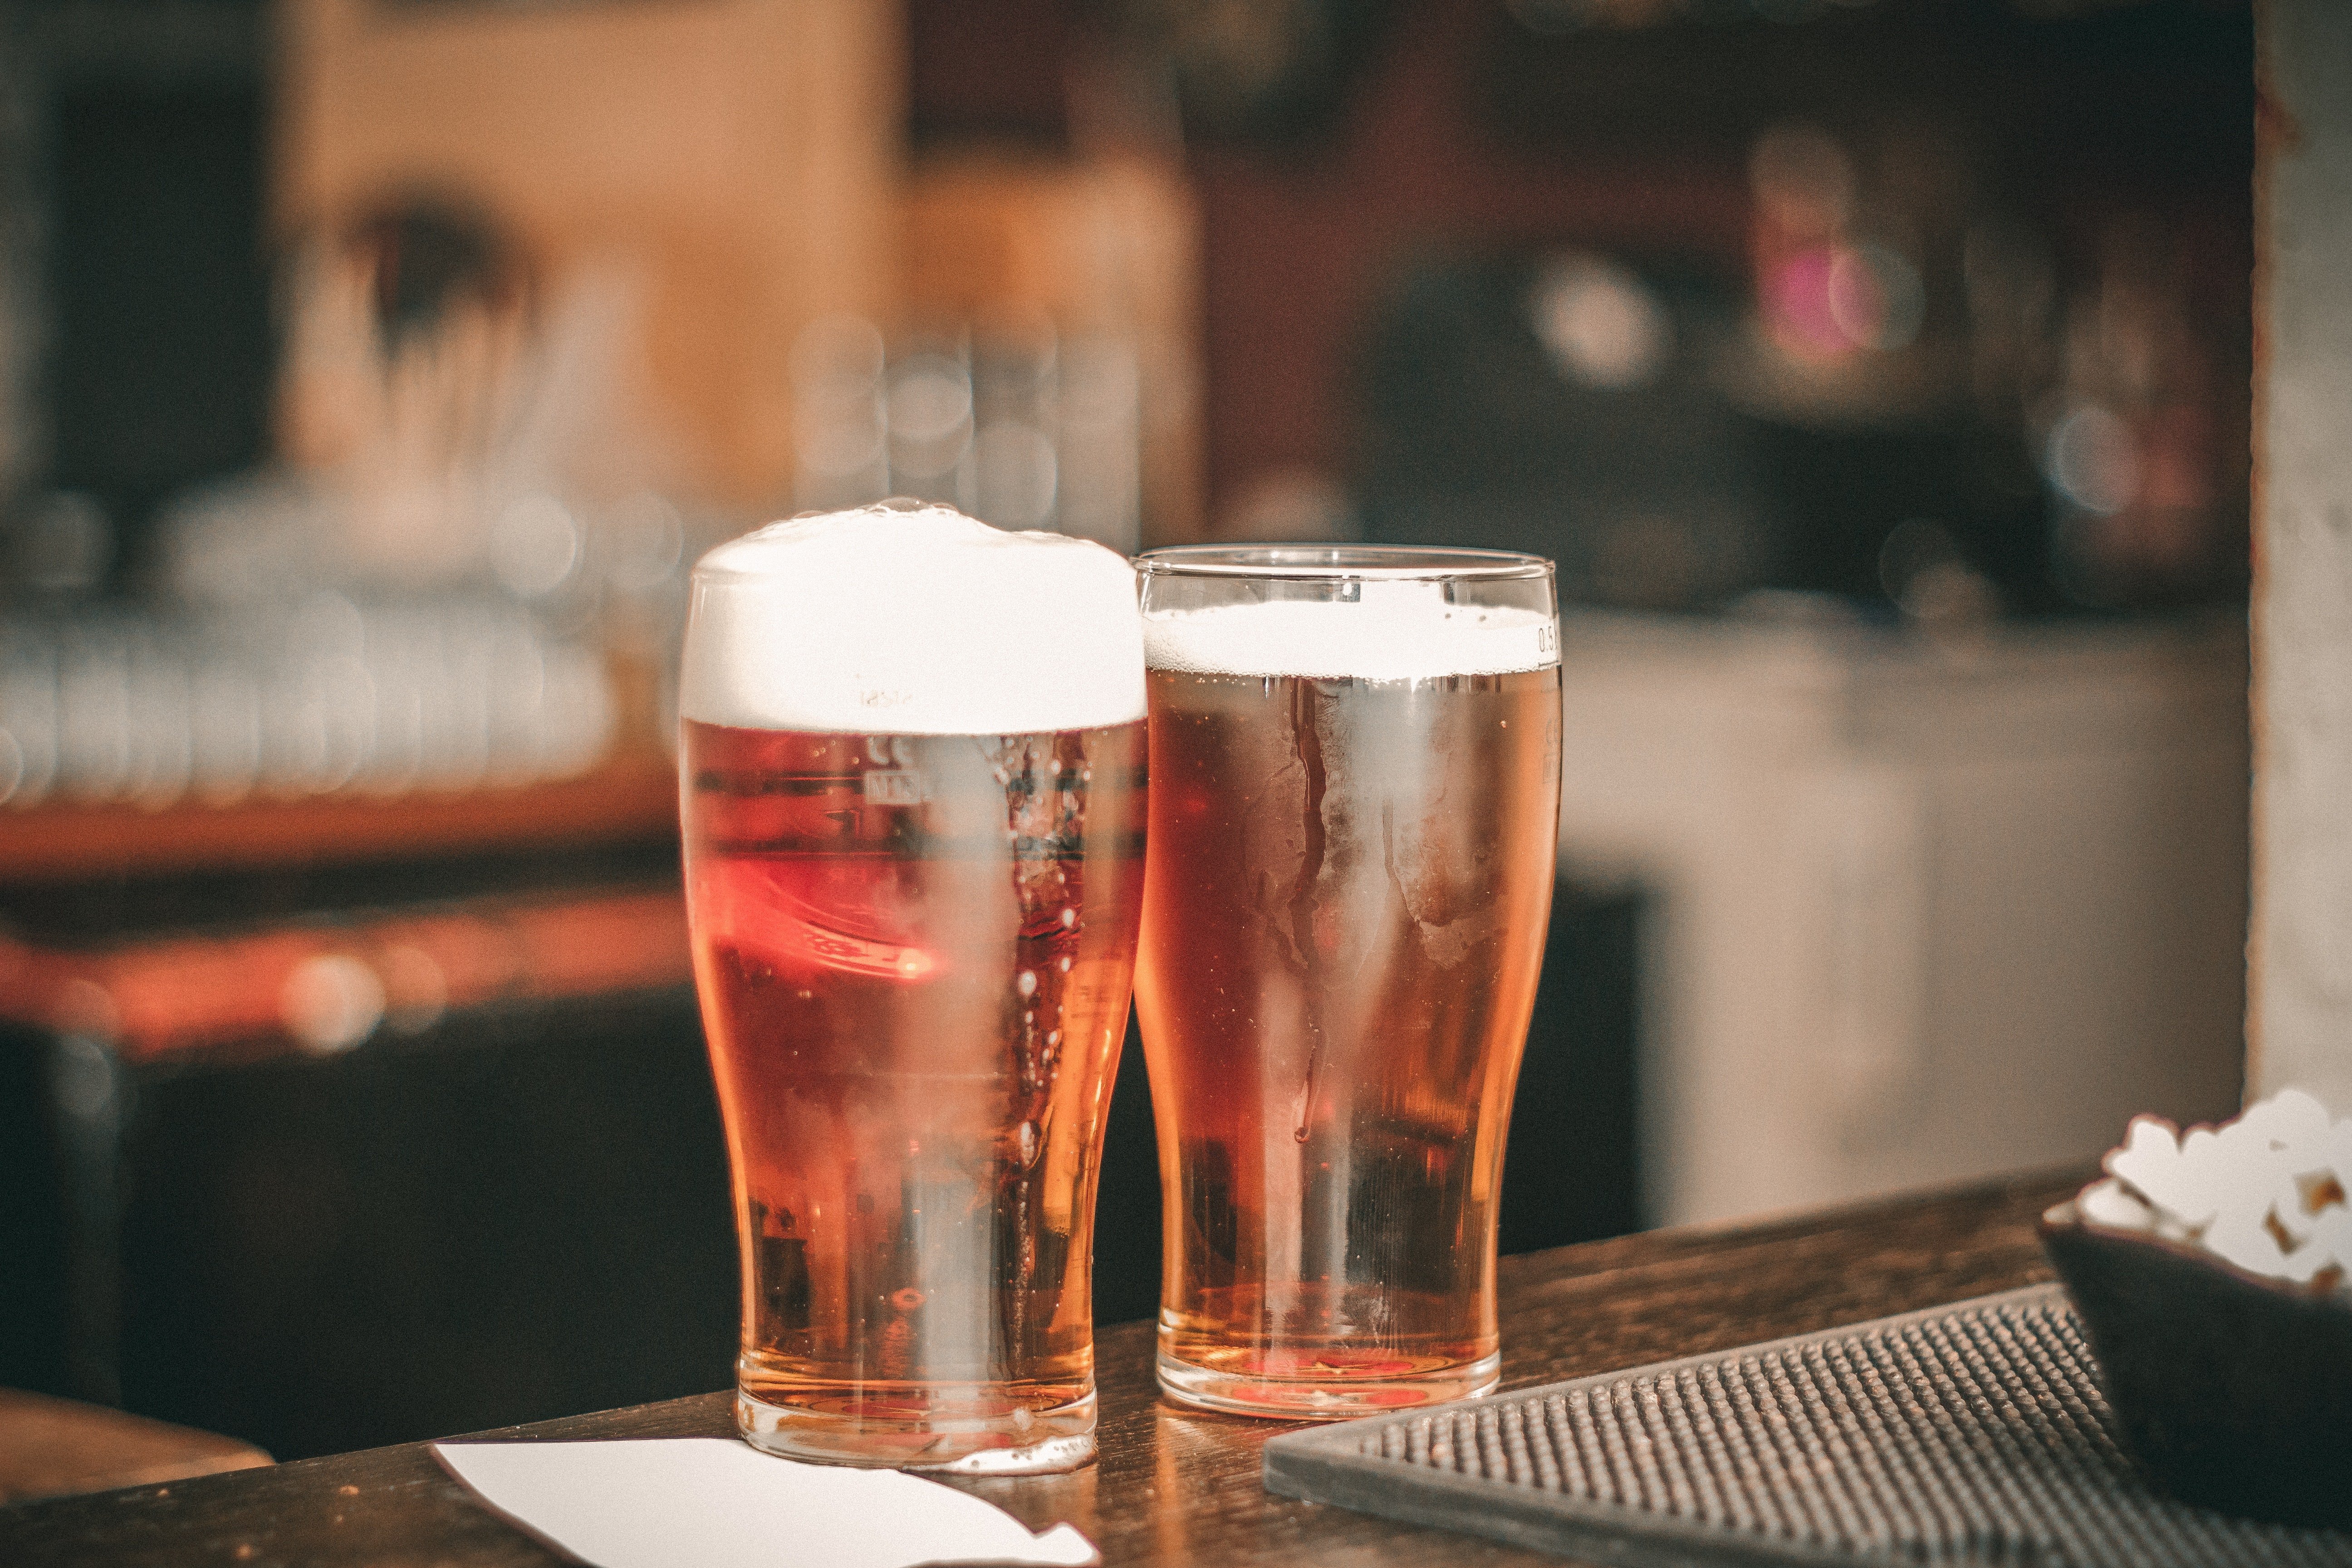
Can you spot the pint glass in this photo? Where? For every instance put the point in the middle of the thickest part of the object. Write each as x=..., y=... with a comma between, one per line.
x=1355, y=759
x=913, y=801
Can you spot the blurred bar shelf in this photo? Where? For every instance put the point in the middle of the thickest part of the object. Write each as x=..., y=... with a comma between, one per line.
x=629, y=798
x=322, y=986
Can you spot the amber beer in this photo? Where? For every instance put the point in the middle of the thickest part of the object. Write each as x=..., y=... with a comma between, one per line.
x=914, y=953
x=1349, y=879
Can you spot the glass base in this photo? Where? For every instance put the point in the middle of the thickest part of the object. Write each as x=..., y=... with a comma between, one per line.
x=1239, y=1390
x=1016, y=1442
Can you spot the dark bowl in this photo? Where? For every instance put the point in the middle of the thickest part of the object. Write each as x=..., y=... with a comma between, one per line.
x=2233, y=1392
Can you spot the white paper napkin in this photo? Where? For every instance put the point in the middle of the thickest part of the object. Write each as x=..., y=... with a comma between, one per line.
x=714, y=1502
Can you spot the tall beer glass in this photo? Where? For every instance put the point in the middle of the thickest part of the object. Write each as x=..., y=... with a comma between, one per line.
x=913, y=801
x=1355, y=761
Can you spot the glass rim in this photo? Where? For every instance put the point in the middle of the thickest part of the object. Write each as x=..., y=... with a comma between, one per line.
x=1344, y=563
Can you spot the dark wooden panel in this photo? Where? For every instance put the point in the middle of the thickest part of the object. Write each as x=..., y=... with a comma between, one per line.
x=159, y=367
x=1171, y=1488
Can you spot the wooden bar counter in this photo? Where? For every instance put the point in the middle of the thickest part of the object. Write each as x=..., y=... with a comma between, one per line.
x=1171, y=1488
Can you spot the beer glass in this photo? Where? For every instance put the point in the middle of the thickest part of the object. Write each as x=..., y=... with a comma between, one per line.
x=1355, y=757
x=912, y=768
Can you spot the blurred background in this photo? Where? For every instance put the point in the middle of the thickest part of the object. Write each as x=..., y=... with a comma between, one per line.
x=372, y=372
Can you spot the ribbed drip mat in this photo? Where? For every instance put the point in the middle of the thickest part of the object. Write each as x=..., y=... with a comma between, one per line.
x=1973, y=1433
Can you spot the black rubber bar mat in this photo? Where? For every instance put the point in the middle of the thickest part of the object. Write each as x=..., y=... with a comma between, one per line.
x=1972, y=1433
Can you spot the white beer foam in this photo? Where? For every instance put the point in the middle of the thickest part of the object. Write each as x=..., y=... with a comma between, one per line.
x=1397, y=631
x=914, y=622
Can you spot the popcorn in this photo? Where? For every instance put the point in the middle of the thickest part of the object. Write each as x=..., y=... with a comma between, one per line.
x=2269, y=1192
x=2161, y=1173
x=2112, y=1203
x=2332, y=1233
x=2289, y=1213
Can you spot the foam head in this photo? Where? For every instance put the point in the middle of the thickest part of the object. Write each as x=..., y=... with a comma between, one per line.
x=921, y=621
x=1402, y=630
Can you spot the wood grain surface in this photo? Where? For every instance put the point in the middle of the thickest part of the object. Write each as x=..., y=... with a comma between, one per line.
x=1171, y=1488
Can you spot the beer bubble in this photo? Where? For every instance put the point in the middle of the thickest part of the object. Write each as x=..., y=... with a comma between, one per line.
x=1027, y=983
x=908, y=1299
x=1028, y=1143
x=1065, y=965
x=894, y=622
x=1069, y=919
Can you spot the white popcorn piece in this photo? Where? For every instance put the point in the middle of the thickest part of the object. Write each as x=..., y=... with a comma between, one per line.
x=2287, y=1120
x=2290, y=1215
x=2336, y=1154
x=2240, y=1238
x=2199, y=1144
x=2149, y=1149
x=2238, y=1173
x=2161, y=1172
x=2332, y=1233
x=2112, y=1203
